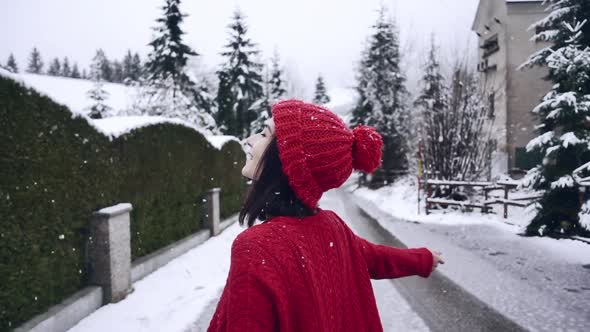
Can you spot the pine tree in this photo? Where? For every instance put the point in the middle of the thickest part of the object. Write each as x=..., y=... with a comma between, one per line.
x=54, y=68
x=320, y=96
x=117, y=72
x=136, y=68
x=274, y=90
x=172, y=92
x=432, y=104
x=66, y=71
x=564, y=138
x=84, y=74
x=127, y=64
x=551, y=28
x=383, y=97
x=97, y=94
x=75, y=71
x=35, y=63
x=106, y=68
x=11, y=64
x=240, y=82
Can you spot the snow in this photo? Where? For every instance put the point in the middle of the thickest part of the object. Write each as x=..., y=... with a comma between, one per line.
x=342, y=101
x=539, y=141
x=570, y=138
x=116, y=208
x=72, y=93
x=506, y=271
x=173, y=297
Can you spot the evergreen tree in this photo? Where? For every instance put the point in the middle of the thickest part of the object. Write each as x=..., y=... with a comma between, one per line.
x=84, y=74
x=564, y=139
x=172, y=92
x=320, y=96
x=75, y=71
x=127, y=64
x=383, y=97
x=240, y=82
x=66, y=71
x=97, y=94
x=136, y=68
x=35, y=63
x=274, y=90
x=54, y=68
x=277, y=81
x=106, y=68
x=11, y=64
x=117, y=72
x=551, y=28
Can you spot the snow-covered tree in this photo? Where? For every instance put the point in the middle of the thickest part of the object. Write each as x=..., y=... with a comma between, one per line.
x=551, y=29
x=321, y=95
x=564, y=140
x=35, y=63
x=277, y=80
x=11, y=64
x=171, y=91
x=75, y=71
x=54, y=68
x=240, y=82
x=98, y=94
x=106, y=69
x=383, y=95
x=117, y=72
x=66, y=71
x=274, y=90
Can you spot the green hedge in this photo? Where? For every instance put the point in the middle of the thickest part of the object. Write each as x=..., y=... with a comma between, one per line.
x=55, y=170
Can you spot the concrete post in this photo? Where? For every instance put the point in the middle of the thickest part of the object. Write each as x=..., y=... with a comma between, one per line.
x=213, y=213
x=109, y=251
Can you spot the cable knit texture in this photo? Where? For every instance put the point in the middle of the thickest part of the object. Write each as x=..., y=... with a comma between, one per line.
x=318, y=151
x=309, y=274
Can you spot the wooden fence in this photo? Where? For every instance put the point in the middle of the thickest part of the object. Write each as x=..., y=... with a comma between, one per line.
x=488, y=199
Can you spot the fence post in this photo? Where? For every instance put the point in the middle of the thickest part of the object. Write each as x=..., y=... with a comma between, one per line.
x=213, y=218
x=505, y=198
x=109, y=251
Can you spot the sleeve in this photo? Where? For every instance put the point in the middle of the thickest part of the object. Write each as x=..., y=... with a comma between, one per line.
x=386, y=262
x=246, y=304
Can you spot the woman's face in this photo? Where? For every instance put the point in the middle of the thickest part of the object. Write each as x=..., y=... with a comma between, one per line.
x=255, y=147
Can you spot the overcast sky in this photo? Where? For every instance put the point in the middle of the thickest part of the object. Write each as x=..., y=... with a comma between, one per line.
x=312, y=36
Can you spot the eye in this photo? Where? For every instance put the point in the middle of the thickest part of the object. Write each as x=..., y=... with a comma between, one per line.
x=263, y=134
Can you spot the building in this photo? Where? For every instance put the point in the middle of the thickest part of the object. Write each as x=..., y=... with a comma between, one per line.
x=502, y=27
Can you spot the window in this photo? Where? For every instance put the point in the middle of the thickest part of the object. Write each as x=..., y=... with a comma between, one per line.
x=492, y=105
x=490, y=46
x=526, y=160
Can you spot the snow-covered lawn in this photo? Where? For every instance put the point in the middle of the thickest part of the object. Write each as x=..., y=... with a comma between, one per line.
x=173, y=297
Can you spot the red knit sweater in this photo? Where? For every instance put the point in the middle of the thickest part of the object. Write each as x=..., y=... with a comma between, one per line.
x=310, y=274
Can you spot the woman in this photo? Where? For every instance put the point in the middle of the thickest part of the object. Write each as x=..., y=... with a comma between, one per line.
x=303, y=269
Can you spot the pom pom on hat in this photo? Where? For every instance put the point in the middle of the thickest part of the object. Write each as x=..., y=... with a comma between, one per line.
x=366, y=149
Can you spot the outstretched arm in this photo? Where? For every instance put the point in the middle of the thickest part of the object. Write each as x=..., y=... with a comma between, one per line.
x=386, y=262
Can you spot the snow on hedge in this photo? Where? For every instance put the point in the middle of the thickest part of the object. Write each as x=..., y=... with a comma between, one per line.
x=71, y=92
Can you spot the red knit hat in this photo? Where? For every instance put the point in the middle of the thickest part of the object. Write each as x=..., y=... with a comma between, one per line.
x=318, y=151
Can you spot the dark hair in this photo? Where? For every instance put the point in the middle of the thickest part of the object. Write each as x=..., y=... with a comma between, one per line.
x=271, y=195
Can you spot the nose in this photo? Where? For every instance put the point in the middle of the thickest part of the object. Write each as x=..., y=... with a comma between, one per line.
x=250, y=140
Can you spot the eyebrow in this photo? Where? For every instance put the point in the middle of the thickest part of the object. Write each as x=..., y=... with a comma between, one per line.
x=267, y=127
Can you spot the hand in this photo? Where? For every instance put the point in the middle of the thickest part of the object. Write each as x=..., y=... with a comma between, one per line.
x=436, y=259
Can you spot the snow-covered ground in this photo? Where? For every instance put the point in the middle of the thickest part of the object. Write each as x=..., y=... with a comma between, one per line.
x=541, y=283
x=174, y=296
